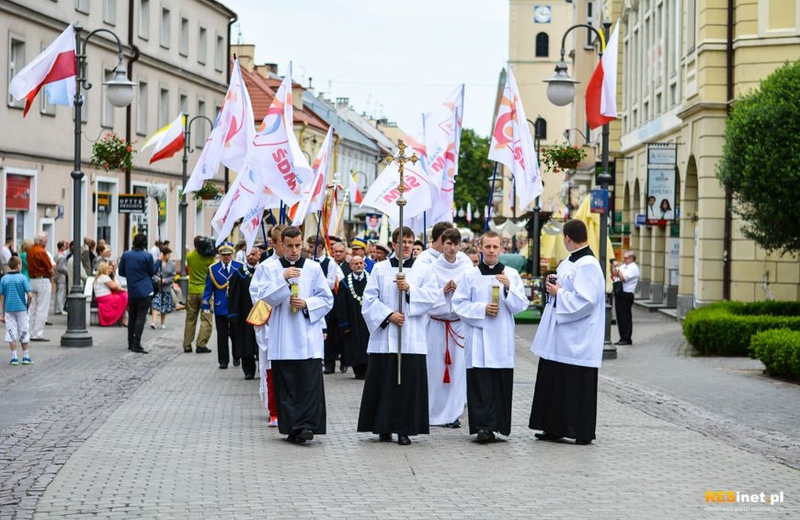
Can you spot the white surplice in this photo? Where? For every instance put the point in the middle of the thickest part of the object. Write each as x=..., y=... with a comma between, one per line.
x=293, y=335
x=262, y=331
x=381, y=299
x=573, y=323
x=491, y=342
x=447, y=338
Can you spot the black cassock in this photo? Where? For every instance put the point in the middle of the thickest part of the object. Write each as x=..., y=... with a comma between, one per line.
x=349, y=318
x=239, y=306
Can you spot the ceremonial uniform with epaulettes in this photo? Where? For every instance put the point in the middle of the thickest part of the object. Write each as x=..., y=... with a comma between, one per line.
x=217, y=278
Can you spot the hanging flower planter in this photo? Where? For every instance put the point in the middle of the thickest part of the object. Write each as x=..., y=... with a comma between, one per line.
x=562, y=156
x=112, y=153
x=208, y=191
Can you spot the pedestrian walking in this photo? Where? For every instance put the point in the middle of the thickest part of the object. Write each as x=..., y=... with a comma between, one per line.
x=163, y=303
x=197, y=264
x=62, y=277
x=217, y=278
x=300, y=298
x=40, y=271
x=138, y=268
x=628, y=274
x=569, y=343
x=386, y=406
x=487, y=299
x=15, y=296
x=447, y=334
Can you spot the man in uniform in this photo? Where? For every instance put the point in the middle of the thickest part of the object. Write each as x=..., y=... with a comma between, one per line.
x=300, y=298
x=359, y=247
x=487, y=299
x=333, y=274
x=386, y=406
x=569, y=343
x=239, y=306
x=217, y=279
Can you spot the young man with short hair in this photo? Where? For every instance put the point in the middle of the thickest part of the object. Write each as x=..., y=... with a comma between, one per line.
x=386, y=406
x=487, y=299
x=15, y=296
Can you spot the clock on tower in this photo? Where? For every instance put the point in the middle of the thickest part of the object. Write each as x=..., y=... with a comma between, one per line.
x=542, y=14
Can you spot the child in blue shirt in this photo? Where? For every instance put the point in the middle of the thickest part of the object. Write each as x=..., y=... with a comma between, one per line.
x=15, y=296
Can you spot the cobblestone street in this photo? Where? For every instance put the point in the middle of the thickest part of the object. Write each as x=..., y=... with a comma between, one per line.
x=170, y=435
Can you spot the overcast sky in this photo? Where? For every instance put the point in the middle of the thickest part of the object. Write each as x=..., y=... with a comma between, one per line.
x=392, y=59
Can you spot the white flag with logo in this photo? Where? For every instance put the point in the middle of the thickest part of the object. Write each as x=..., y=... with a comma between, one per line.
x=276, y=156
x=512, y=144
x=314, y=193
x=383, y=193
x=231, y=136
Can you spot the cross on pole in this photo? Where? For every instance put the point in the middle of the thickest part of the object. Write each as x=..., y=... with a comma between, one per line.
x=401, y=159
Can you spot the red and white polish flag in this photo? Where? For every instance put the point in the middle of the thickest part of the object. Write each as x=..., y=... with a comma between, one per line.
x=168, y=141
x=601, y=92
x=54, y=67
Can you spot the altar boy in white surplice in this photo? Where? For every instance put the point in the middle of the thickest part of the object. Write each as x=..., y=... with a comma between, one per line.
x=487, y=300
x=447, y=337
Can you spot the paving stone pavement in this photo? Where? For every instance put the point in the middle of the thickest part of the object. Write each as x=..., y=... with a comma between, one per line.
x=192, y=442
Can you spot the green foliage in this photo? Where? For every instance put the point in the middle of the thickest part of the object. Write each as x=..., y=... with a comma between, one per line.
x=779, y=350
x=761, y=163
x=725, y=328
x=207, y=191
x=562, y=155
x=112, y=153
x=474, y=167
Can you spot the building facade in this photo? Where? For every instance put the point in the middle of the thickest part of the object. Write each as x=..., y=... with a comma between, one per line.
x=175, y=53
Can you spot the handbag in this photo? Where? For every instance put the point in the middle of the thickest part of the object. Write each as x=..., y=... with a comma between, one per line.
x=259, y=314
x=617, y=288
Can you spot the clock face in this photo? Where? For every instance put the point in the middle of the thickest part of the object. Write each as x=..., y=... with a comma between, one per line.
x=541, y=14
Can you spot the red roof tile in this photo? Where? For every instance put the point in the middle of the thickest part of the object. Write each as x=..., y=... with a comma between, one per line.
x=262, y=92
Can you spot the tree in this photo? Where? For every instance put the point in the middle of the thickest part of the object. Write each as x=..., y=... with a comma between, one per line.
x=474, y=167
x=761, y=160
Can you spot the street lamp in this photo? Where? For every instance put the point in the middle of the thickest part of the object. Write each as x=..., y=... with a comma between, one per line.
x=560, y=92
x=187, y=149
x=120, y=93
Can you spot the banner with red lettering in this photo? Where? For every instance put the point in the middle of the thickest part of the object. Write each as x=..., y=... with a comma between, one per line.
x=383, y=193
x=276, y=157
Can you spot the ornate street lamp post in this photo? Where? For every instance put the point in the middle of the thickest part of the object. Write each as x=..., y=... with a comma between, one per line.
x=120, y=94
x=561, y=92
x=187, y=149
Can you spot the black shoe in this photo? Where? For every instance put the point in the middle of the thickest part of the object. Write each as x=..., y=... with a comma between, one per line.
x=187, y=350
x=306, y=435
x=624, y=342
x=236, y=362
x=327, y=371
x=138, y=350
x=385, y=437
x=249, y=376
x=294, y=439
x=484, y=436
x=403, y=440
x=583, y=442
x=454, y=424
x=223, y=366
x=342, y=368
x=544, y=436
x=203, y=350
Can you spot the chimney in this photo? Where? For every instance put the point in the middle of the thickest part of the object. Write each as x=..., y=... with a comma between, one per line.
x=342, y=102
x=245, y=53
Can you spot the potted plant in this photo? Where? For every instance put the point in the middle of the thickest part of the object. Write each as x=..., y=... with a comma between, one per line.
x=112, y=153
x=562, y=155
x=207, y=191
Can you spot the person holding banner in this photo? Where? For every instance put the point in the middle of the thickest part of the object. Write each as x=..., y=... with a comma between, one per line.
x=392, y=404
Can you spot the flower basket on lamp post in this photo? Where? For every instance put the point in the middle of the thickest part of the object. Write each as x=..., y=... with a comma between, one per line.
x=562, y=156
x=112, y=153
x=208, y=191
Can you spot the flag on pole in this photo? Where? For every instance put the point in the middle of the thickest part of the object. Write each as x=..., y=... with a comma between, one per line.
x=231, y=137
x=54, y=68
x=601, y=92
x=314, y=193
x=512, y=144
x=355, y=194
x=276, y=156
x=333, y=212
x=442, y=144
x=168, y=141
